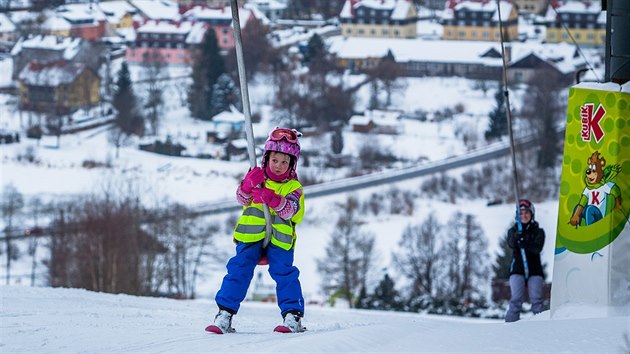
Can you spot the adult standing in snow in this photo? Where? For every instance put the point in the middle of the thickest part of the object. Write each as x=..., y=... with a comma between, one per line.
x=275, y=184
x=526, y=269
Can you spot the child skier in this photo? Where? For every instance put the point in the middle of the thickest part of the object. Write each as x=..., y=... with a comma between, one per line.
x=275, y=183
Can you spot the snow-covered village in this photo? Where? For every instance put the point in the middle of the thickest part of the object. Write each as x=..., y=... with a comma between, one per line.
x=374, y=176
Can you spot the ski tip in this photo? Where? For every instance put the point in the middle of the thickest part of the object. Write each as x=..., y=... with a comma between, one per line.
x=282, y=329
x=214, y=329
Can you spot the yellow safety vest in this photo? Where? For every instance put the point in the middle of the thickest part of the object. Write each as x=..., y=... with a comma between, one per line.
x=251, y=225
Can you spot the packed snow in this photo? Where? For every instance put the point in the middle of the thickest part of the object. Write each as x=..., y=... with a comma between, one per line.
x=46, y=320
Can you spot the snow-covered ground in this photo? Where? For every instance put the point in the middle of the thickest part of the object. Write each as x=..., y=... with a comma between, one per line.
x=45, y=320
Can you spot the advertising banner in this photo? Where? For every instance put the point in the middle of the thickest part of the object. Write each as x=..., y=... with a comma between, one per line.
x=592, y=254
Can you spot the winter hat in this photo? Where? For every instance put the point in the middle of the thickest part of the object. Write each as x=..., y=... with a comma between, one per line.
x=525, y=204
x=283, y=140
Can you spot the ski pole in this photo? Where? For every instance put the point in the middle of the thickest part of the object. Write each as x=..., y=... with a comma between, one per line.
x=249, y=131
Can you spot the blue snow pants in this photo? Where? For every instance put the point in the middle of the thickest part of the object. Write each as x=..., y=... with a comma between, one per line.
x=240, y=271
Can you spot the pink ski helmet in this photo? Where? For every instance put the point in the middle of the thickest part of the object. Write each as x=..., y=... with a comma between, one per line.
x=283, y=140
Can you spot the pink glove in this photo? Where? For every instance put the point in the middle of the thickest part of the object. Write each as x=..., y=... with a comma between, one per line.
x=253, y=178
x=267, y=196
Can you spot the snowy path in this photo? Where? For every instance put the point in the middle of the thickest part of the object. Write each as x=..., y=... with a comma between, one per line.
x=44, y=320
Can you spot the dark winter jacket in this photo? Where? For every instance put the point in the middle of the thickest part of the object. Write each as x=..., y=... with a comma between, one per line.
x=532, y=240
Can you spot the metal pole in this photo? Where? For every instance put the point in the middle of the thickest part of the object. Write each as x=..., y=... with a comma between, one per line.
x=511, y=136
x=249, y=131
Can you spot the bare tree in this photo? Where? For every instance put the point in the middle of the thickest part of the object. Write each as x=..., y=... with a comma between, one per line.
x=543, y=108
x=465, y=259
x=154, y=73
x=349, y=257
x=12, y=204
x=387, y=72
x=35, y=204
x=418, y=256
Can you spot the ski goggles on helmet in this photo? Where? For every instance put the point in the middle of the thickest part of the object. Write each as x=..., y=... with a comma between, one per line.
x=525, y=204
x=290, y=135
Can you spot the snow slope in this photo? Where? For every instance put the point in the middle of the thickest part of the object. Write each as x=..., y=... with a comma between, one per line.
x=46, y=320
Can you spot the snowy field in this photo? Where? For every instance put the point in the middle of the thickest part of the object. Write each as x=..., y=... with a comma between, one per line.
x=45, y=320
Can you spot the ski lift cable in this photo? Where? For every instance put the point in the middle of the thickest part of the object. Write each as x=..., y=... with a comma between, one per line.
x=249, y=130
x=577, y=46
x=511, y=137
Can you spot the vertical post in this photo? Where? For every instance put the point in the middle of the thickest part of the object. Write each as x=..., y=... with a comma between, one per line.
x=249, y=131
x=617, y=44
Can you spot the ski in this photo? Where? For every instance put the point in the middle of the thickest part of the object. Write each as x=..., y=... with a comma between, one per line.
x=285, y=329
x=217, y=330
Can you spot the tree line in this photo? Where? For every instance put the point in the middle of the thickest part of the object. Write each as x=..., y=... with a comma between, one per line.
x=443, y=268
x=109, y=242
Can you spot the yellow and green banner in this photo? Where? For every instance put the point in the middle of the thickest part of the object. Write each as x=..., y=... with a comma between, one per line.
x=592, y=254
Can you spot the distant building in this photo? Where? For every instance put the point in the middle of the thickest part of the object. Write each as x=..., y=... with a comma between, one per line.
x=188, y=4
x=378, y=18
x=585, y=20
x=273, y=9
x=162, y=10
x=533, y=7
x=377, y=121
x=478, y=60
x=85, y=21
x=118, y=14
x=57, y=87
x=164, y=42
x=469, y=59
x=528, y=61
x=220, y=20
x=45, y=48
x=478, y=20
x=7, y=31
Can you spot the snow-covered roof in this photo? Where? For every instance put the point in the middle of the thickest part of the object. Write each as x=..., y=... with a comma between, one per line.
x=576, y=7
x=115, y=10
x=70, y=46
x=560, y=55
x=269, y=4
x=194, y=32
x=80, y=12
x=399, y=8
x=417, y=49
x=224, y=14
x=233, y=116
x=51, y=73
x=258, y=14
x=485, y=6
x=56, y=23
x=157, y=9
x=5, y=24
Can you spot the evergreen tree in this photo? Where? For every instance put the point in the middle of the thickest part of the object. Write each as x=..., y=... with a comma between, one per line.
x=128, y=118
x=224, y=94
x=208, y=65
x=315, y=49
x=501, y=266
x=337, y=141
x=385, y=296
x=498, y=126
